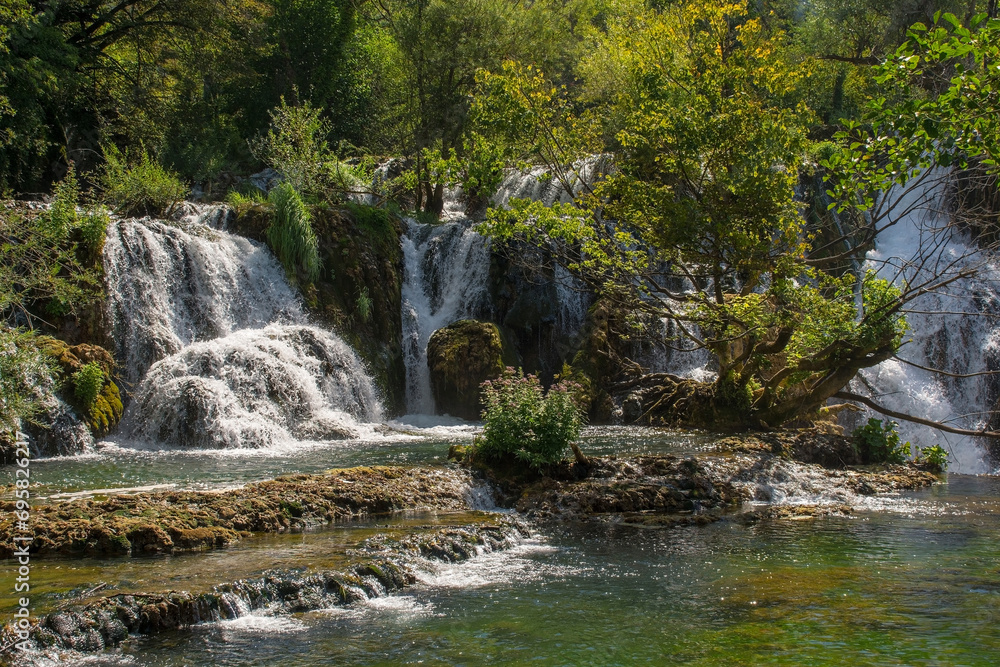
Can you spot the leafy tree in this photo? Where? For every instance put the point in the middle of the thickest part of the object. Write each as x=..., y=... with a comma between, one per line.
x=442, y=44
x=697, y=220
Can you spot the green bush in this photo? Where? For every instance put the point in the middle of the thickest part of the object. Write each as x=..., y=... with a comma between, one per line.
x=524, y=422
x=878, y=442
x=87, y=384
x=50, y=260
x=141, y=187
x=295, y=146
x=290, y=234
x=66, y=221
x=934, y=457
x=364, y=305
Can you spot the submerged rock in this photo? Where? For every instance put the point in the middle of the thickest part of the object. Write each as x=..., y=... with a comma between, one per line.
x=461, y=356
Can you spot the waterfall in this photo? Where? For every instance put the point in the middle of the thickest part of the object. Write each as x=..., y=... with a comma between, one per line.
x=446, y=267
x=171, y=285
x=254, y=388
x=954, y=329
x=213, y=344
x=539, y=184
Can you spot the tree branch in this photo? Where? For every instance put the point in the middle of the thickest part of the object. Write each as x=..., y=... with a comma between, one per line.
x=846, y=395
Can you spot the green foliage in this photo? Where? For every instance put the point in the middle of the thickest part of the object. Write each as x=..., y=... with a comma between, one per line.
x=523, y=421
x=87, y=384
x=934, y=457
x=937, y=106
x=290, y=234
x=24, y=369
x=247, y=196
x=700, y=116
x=139, y=187
x=878, y=442
x=364, y=305
x=50, y=261
x=295, y=145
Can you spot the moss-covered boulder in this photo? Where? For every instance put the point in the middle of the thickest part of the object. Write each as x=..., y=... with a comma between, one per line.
x=461, y=356
x=103, y=413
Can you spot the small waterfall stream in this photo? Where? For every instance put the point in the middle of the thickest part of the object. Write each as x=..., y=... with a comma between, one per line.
x=447, y=266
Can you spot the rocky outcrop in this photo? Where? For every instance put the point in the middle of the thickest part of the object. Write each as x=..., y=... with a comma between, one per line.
x=152, y=523
x=461, y=356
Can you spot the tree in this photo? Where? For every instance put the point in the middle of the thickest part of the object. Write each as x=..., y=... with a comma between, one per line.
x=442, y=44
x=697, y=220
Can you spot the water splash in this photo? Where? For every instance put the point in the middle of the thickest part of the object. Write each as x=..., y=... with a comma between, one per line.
x=254, y=388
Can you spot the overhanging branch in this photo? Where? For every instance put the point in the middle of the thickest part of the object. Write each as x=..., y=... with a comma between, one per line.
x=864, y=400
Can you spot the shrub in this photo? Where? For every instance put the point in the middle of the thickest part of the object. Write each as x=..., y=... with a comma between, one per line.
x=524, y=422
x=87, y=384
x=296, y=147
x=934, y=457
x=290, y=234
x=50, y=261
x=878, y=442
x=142, y=187
x=364, y=305
x=65, y=221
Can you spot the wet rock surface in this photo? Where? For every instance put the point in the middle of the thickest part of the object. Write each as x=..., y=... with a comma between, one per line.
x=461, y=356
x=167, y=522
x=799, y=469
x=382, y=566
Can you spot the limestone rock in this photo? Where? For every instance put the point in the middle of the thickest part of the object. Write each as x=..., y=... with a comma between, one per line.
x=461, y=356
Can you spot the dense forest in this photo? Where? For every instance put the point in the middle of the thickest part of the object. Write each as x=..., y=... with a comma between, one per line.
x=194, y=83
x=715, y=119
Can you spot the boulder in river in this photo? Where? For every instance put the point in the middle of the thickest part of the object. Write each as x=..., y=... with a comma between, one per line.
x=461, y=356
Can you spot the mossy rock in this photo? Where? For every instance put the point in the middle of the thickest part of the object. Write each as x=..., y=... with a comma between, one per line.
x=106, y=411
x=461, y=356
x=103, y=415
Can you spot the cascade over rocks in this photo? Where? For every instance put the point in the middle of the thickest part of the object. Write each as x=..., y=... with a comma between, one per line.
x=383, y=566
x=254, y=388
x=461, y=356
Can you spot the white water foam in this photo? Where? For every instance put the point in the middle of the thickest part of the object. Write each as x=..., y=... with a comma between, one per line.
x=954, y=328
x=170, y=285
x=254, y=389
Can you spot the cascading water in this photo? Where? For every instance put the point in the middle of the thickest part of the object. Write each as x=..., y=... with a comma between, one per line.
x=170, y=286
x=213, y=345
x=954, y=329
x=446, y=269
x=254, y=388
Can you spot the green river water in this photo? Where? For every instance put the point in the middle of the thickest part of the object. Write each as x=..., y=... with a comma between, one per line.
x=909, y=580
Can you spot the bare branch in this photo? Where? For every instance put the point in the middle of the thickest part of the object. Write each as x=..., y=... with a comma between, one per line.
x=849, y=396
